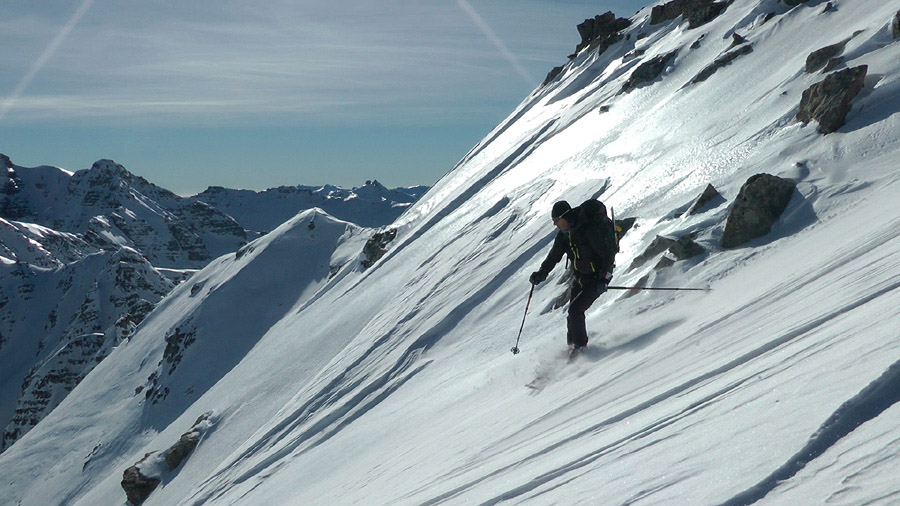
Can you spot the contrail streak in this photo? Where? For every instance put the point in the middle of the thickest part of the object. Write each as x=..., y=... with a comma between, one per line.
x=45, y=56
x=492, y=36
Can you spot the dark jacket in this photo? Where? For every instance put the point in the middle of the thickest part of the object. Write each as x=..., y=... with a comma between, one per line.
x=583, y=245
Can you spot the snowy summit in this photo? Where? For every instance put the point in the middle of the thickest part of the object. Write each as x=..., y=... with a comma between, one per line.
x=754, y=143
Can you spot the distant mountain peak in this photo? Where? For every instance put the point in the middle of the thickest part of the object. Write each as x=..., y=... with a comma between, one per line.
x=370, y=205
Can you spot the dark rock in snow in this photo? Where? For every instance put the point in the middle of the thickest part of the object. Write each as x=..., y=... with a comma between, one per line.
x=180, y=450
x=623, y=226
x=137, y=486
x=177, y=342
x=12, y=205
x=828, y=8
x=720, y=62
x=793, y=3
x=666, y=12
x=759, y=204
x=657, y=246
x=833, y=64
x=648, y=71
x=828, y=101
x=737, y=40
x=141, y=479
x=176, y=454
x=698, y=42
x=818, y=58
x=664, y=261
x=376, y=247
x=895, y=25
x=696, y=12
x=709, y=195
x=552, y=75
x=685, y=248
x=682, y=249
x=601, y=31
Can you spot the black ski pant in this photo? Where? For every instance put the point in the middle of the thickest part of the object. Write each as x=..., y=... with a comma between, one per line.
x=584, y=292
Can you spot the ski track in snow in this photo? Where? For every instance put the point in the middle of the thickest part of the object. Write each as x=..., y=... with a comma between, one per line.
x=880, y=395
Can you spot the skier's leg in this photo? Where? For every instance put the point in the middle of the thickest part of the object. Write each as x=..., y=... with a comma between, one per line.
x=575, y=292
x=577, y=333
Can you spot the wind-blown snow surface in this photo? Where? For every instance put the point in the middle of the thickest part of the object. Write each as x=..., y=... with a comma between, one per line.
x=395, y=385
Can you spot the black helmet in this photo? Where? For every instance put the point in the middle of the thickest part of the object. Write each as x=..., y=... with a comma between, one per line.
x=560, y=209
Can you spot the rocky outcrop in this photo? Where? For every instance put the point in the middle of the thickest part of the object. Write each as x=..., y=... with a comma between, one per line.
x=722, y=61
x=98, y=303
x=685, y=247
x=137, y=486
x=828, y=101
x=177, y=453
x=623, y=226
x=696, y=12
x=709, y=196
x=177, y=342
x=601, y=32
x=141, y=479
x=793, y=3
x=658, y=245
x=760, y=202
x=552, y=75
x=12, y=205
x=675, y=249
x=820, y=57
x=737, y=39
x=648, y=71
x=376, y=247
x=895, y=25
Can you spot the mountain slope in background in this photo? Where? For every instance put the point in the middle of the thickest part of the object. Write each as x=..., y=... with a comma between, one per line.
x=58, y=323
x=84, y=257
x=111, y=208
x=395, y=385
x=371, y=205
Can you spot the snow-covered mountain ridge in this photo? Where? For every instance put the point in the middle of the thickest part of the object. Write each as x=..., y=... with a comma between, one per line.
x=395, y=384
x=370, y=205
x=111, y=207
x=87, y=255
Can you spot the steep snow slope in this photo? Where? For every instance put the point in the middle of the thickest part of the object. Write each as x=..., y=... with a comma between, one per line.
x=395, y=385
x=105, y=209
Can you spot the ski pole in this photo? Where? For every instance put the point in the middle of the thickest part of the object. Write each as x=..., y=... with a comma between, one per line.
x=515, y=349
x=660, y=288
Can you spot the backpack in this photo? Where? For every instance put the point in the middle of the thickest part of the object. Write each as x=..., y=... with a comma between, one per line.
x=592, y=212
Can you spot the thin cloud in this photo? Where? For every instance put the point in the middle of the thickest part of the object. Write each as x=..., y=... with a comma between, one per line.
x=44, y=57
x=286, y=61
x=495, y=40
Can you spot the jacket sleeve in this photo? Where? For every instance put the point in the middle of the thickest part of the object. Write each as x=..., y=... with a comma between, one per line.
x=555, y=255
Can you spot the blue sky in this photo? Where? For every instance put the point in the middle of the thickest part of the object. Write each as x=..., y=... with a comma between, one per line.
x=275, y=92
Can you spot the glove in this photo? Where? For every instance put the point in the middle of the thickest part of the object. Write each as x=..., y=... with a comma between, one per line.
x=603, y=282
x=537, y=277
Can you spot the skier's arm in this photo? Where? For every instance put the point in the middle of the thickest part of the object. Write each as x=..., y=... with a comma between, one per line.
x=555, y=255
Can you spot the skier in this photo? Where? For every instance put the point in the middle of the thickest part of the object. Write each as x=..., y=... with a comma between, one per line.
x=586, y=241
